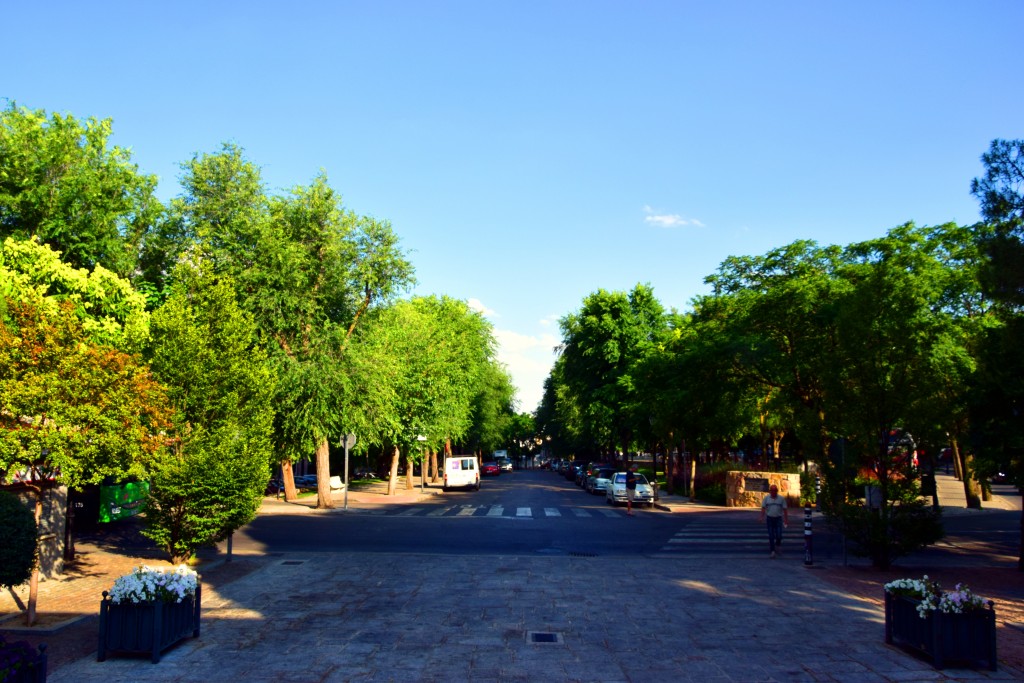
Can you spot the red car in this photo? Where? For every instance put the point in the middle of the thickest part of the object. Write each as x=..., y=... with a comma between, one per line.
x=490, y=469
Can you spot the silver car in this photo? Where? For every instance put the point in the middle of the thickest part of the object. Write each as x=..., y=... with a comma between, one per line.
x=599, y=480
x=616, y=491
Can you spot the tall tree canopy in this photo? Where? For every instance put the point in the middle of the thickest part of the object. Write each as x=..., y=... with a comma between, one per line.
x=60, y=181
x=305, y=267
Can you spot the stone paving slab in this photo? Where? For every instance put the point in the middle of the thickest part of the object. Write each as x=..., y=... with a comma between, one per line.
x=440, y=618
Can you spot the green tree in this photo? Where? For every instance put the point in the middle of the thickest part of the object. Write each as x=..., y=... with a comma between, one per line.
x=307, y=270
x=72, y=412
x=17, y=541
x=62, y=182
x=211, y=481
x=772, y=316
x=602, y=342
x=439, y=351
x=997, y=402
x=493, y=409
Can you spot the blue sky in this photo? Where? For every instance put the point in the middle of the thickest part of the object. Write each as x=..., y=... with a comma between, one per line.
x=529, y=153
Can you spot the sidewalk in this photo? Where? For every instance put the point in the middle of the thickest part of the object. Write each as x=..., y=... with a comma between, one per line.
x=396, y=617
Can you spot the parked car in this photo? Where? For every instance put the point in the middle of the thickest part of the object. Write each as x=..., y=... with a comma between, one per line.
x=580, y=473
x=490, y=469
x=616, y=491
x=305, y=481
x=505, y=464
x=598, y=480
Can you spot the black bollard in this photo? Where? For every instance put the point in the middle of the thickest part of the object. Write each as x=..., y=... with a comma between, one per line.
x=808, y=539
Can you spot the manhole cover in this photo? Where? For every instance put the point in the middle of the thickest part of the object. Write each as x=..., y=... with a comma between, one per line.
x=293, y=562
x=578, y=554
x=543, y=638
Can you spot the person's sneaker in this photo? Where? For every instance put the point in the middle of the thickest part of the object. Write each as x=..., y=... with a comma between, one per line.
x=773, y=555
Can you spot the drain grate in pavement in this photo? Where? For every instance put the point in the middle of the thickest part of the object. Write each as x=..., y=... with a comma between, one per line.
x=578, y=554
x=543, y=638
x=293, y=562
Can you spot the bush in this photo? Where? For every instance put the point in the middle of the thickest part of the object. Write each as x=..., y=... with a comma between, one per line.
x=17, y=541
x=884, y=535
x=709, y=483
x=21, y=663
x=712, y=493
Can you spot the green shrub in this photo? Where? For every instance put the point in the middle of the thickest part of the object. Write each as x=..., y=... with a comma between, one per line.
x=711, y=492
x=886, y=535
x=17, y=540
x=19, y=661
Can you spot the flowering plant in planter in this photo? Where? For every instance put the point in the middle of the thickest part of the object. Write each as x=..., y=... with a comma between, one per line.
x=924, y=589
x=933, y=599
x=153, y=584
x=945, y=626
x=960, y=600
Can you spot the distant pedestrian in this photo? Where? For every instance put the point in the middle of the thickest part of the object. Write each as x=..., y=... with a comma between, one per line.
x=630, y=488
x=773, y=509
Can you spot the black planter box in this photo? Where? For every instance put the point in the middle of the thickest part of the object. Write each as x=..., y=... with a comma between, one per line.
x=965, y=639
x=146, y=628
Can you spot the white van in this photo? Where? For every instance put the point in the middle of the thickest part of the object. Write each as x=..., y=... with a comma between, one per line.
x=461, y=471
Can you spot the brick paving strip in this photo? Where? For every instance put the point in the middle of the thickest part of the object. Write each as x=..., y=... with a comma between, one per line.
x=69, y=605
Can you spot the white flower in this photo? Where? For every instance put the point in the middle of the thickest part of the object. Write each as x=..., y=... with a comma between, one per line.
x=149, y=584
x=931, y=598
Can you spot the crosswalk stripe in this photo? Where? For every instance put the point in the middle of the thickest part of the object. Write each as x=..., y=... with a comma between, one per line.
x=580, y=512
x=496, y=511
x=411, y=511
x=524, y=512
x=438, y=512
x=552, y=512
x=730, y=541
x=466, y=511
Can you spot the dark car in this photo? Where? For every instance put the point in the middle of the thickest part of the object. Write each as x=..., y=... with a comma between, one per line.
x=490, y=469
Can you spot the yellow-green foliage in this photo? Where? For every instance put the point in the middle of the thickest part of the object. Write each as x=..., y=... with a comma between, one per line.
x=111, y=311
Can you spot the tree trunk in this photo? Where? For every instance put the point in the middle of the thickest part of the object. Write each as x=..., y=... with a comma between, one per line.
x=288, y=477
x=69, y=528
x=323, y=476
x=33, y=582
x=434, y=467
x=393, y=473
x=691, y=488
x=972, y=491
x=670, y=470
x=1020, y=546
x=408, y=473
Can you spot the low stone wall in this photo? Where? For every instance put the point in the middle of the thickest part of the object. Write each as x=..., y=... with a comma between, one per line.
x=748, y=489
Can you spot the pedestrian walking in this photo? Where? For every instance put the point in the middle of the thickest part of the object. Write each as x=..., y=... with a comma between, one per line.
x=773, y=509
x=630, y=488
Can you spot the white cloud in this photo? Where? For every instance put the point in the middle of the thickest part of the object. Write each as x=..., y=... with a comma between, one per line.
x=549, y=320
x=478, y=306
x=528, y=360
x=668, y=220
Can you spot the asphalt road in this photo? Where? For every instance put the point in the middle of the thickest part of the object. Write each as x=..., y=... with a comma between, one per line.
x=527, y=513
